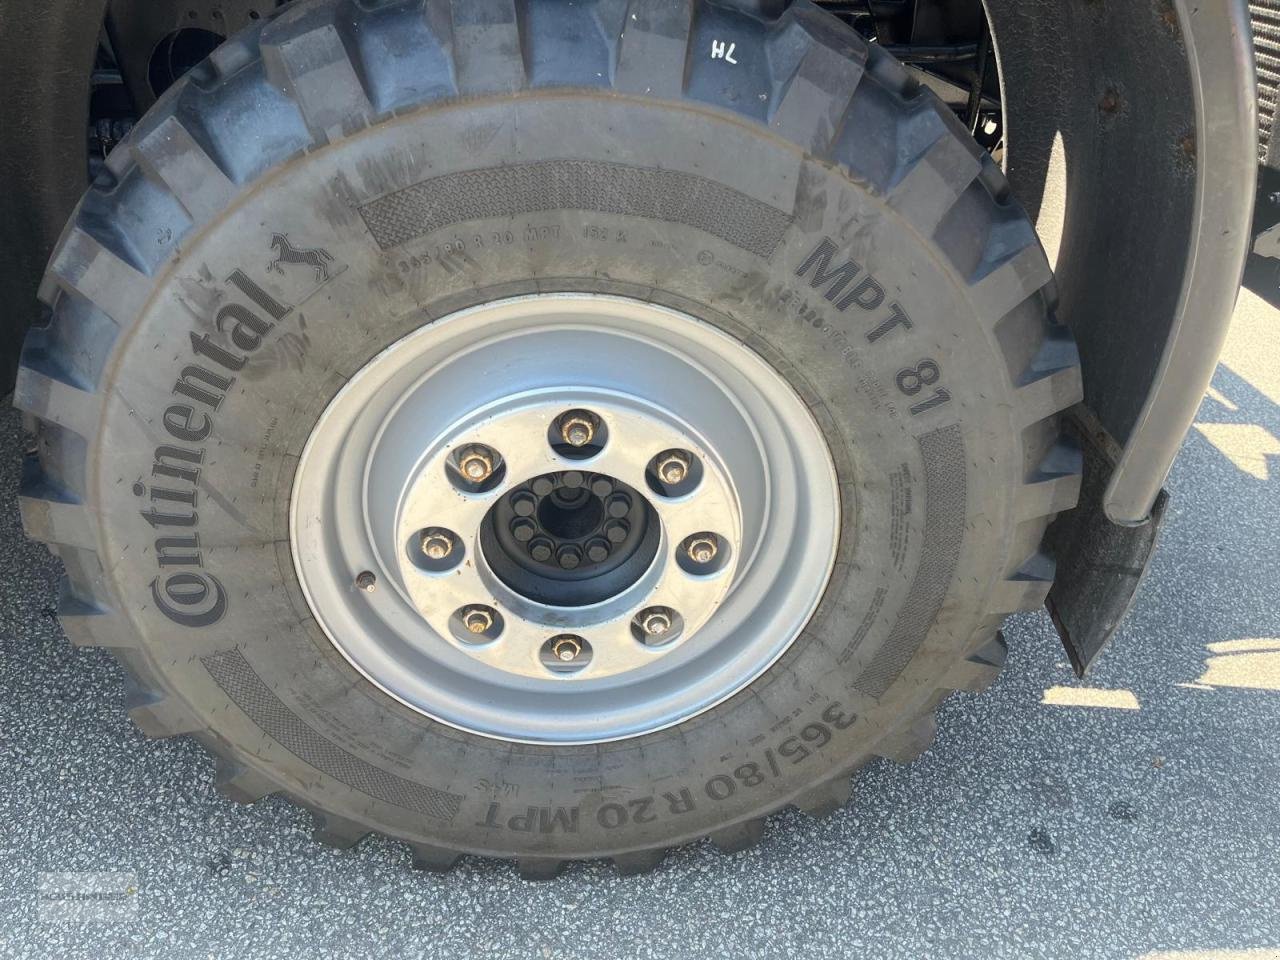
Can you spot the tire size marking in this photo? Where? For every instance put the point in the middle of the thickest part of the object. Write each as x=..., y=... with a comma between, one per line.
x=846, y=285
x=912, y=380
x=453, y=254
x=598, y=234
x=849, y=285
x=768, y=766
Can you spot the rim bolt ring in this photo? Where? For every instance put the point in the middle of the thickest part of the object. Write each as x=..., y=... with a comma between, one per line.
x=523, y=530
x=523, y=504
x=601, y=487
x=619, y=505
x=616, y=531
x=541, y=549
x=569, y=557
x=598, y=550
x=543, y=486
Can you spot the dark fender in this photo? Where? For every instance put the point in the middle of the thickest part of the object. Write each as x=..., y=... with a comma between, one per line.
x=1132, y=139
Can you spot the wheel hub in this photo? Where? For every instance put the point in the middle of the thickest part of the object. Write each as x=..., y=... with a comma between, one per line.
x=570, y=538
x=592, y=518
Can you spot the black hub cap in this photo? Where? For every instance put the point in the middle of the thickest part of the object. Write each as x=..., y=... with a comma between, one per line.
x=570, y=539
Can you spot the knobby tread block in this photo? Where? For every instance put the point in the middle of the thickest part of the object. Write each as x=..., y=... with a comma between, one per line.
x=56, y=400
x=170, y=154
x=651, y=56
x=817, y=96
x=305, y=51
x=84, y=265
x=488, y=54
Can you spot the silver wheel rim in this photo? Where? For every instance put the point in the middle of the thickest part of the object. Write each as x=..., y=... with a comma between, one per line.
x=388, y=530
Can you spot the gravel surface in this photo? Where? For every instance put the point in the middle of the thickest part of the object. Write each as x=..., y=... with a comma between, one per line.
x=1145, y=823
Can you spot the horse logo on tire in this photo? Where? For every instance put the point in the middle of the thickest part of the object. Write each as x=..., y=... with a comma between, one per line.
x=287, y=253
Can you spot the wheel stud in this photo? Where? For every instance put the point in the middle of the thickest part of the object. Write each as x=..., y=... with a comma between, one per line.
x=702, y=548
x=616, y=530
x=577, y=428
x=476, y=624
x=566, y=648
x=597, y=550
x=673, y=467
x=655, y=622
x=366, y=581
x=565, y=653
x=437, y=549
x=577, y=434
x=569, y=557
x=523, y=530
x=477, y=462
x=436, y=545
x=477, y=619
x=541, y=549
x=656, y=626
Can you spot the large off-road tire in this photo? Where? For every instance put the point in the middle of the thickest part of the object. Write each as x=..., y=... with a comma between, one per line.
x=239, y=309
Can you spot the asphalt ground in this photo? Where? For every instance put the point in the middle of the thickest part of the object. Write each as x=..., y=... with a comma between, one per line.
x=1132, y=815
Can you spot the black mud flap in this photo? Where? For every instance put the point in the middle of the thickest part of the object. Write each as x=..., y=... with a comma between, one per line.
x=1100, y=563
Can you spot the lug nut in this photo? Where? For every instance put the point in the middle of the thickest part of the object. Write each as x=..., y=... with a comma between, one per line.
x=577, y=428
x=655, y=623
x=477, y=619
x=569, y=557
x=541, y=549
x=523, y=504
x=616, y=530
x=619, y=505
x=366, y=581
x=566, y=648
x=476, y=463
x=656, y=626
x=702, y=548
x=673, y=467
x=597, y=551
x=436, y=545
x=523, y=530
